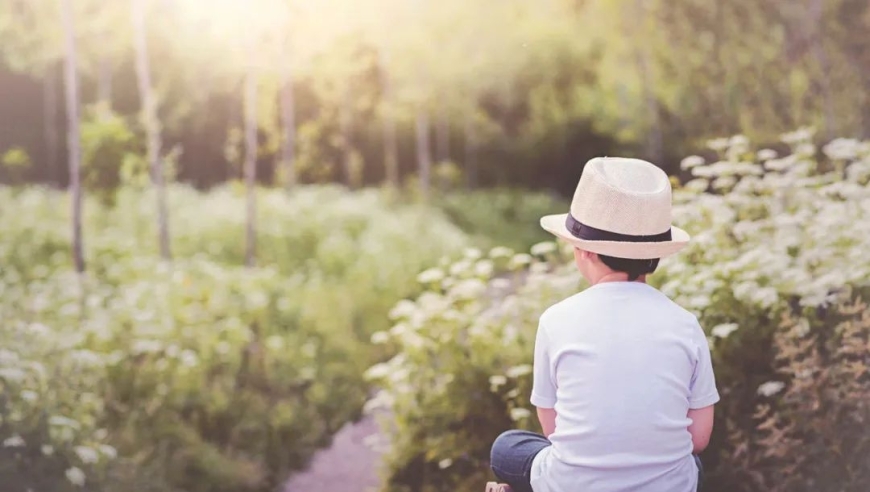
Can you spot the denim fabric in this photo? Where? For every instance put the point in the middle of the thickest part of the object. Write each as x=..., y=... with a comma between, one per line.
x=512, y=455
x=514, y=451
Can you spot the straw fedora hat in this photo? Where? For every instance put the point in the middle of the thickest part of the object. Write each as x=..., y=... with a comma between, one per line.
x=622, y=208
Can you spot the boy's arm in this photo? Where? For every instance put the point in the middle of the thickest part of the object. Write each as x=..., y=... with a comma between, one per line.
x=543, y=387
x=703, y=396
x=700, y=428
x=547, y=418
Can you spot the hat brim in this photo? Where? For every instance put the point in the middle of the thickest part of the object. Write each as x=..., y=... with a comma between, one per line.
x=555, y=224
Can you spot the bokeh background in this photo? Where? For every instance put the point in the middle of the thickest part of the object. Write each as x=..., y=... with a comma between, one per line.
x=229, y=228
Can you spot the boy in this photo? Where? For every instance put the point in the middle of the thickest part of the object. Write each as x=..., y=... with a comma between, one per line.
x=623, y=381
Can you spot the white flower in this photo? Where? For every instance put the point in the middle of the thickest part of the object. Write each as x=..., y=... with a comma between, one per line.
x=76, y=476
x=146, y=347
x=803, y=327
x=543, y=248
x=12, y=374
x=8, y=357
x=692, y=161
x=190, y=359
x=445, y=463
x=766, y=154
x=500, y=252
x=86, y=454
x=500, y=283
x=468, y=289
x=380, y=337
x=472, y=253
x=519, y=414
x=62, y=421
x=47, y=450
x=484, y=268
x=15, y=441
x=459, y=268
x=723, y=330
x=697, y=185
x=431, y=276
x=108, y=451
x=496, y=381
x=718, y=144
x=800, y=135
x=517, y=371
x=402, y=310
x=770, y=388
x=275, y=343
x=842, y=149
x=724, y=182
x=378, y=371
x=520, y=260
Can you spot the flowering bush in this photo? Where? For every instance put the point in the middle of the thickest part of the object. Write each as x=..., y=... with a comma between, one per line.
x=772, y=235
x=201, y=375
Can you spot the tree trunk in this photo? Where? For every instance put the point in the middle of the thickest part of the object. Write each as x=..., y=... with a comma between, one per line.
x=424, y=153
x=152, y=125
x=442, y=130
x=104, y=82
x=470, y=151
x=391, y=148
x=391, y=144
x=49, y=119
x=654, y=142
x=288, y=145
x=344, y=123
x=72, y=114
x=815, y=16
x=251, y=166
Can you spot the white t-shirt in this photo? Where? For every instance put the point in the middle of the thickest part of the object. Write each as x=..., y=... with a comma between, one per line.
x=622, y=364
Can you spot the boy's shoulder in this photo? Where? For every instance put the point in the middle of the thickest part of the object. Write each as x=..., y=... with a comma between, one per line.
x=566, y=306
x=591, y=299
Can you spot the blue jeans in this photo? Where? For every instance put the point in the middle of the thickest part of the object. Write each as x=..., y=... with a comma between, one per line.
x=513, y=452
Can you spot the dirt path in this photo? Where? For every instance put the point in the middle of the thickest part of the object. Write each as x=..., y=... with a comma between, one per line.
x=352, y=463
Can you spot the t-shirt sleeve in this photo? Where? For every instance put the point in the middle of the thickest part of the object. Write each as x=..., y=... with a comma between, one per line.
x=703, y=392
x=543, y=386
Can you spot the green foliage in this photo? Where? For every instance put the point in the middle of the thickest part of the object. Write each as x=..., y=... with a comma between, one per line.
x=107, y=141
x=203, y=375
x=807, y=428
x=16, y=163
x=484, y=214
x=771, y=236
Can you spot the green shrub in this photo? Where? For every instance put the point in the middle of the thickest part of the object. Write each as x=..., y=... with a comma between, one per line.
x=811, y=430
x=772, y=236
x=501, y=217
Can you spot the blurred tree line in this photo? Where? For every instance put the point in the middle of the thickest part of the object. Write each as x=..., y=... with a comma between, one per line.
x=410, y=91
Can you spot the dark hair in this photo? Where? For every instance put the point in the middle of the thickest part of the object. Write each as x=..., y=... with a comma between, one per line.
x=634, y=268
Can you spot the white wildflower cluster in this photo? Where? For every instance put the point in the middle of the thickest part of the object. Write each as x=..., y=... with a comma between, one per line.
x=769, y=232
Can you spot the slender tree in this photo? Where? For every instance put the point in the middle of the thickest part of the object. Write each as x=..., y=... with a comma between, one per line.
x=388, y=118
x=288, y=121
x=71, y=85
x=151, y=123
x=251, y=165
x=49, y=120
x=424, y=151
